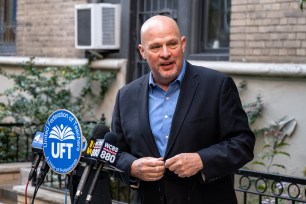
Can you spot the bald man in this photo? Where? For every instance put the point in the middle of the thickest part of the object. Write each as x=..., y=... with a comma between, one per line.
x=181, y=128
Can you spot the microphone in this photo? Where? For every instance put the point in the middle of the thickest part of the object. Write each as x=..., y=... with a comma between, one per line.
x=108, y=155
x=98, y=133
x=42, y=173
x=37, y=148
x=40, y=178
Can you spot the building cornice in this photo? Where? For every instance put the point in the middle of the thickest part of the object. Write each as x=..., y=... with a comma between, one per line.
x=233, y=68
x=256, y=69
x=115, y=64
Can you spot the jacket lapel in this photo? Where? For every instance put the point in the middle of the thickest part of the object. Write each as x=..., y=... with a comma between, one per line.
x=143, y=113
x=186, y=96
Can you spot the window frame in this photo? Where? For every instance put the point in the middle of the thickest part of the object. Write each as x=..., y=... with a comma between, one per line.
x=8, y=8
x=193, y=31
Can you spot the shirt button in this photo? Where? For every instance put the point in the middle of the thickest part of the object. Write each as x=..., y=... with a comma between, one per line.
x=167, y=98
x=167, y=137
x=166, y=116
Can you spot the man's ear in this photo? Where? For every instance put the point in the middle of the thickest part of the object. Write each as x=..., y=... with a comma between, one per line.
x=142, y=51
x=183, y=42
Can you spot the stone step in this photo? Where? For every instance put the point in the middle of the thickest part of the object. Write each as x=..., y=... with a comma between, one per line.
x=7, y=195
x=44, y=196
x=10, y=172
x=7, y=202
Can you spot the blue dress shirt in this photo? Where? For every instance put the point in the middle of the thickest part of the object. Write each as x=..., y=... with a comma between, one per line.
x=161, y=109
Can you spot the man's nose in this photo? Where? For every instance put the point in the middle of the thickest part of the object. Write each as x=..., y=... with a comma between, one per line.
x=165, y=52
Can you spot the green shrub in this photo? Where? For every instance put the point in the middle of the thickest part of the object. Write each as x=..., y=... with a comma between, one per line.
x=38, y=92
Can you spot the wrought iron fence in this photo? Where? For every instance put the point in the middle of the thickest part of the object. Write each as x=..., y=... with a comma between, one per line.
x=251, y=187
x=259, y=187
x=15, y=142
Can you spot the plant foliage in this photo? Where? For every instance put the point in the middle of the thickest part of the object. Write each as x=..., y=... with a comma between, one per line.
x=302, y=4
x=38, y=92
x=274, y=135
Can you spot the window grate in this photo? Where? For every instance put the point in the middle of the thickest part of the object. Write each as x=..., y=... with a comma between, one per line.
x=7, y=27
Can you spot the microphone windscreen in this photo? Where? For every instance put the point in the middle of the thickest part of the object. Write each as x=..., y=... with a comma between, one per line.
x=97, y=134
x=109, y=150
x=99, y=131
x=110, y=138
x=37, y=143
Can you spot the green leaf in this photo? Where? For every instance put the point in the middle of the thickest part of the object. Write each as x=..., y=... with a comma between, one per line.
x=282, y=144
x=259, y=163
x=261, y=187
x=279, y=165
x=266, y=155
x=302, y=4
x=266, y=146
x=283, y=153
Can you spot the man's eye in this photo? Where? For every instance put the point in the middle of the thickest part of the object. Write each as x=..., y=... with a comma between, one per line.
x=155, y=48
x=173, y=45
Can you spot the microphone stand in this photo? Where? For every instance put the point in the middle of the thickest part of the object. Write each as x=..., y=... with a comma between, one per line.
x=81, y=185
x=93, y=183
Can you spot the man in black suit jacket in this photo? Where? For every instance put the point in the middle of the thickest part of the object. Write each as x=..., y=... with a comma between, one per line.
x=181, y=128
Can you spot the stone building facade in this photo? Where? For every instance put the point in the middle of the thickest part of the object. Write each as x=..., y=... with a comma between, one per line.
x=268, y=31
x=271, y=31
x=46, y=28
x=261, y=31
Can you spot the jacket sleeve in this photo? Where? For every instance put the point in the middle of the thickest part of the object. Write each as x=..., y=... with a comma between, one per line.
x=236, y=141
x=125, y=159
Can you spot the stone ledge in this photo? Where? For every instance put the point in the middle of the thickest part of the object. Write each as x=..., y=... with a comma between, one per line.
x=43, y=196
x=112, y=64
x=13, y=167
x=256, y=69
x=10, y=172
x=7, y=195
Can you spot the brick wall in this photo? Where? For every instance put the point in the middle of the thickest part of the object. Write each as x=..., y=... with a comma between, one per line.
x=45, y=28
x=268, y=31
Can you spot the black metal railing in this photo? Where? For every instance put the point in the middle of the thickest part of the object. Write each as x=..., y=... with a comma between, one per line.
x=259, y=187
x=121, y=192
x=251, y=188
x=15, y=142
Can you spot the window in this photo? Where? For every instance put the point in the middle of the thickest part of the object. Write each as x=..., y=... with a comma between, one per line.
x=211, y=30
x=216, y=25
x=7, y=27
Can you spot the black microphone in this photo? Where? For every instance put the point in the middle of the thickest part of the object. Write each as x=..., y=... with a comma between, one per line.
x=98, y=133
x=108, y=155
x=40, y=178
x=37, y=149
x=42, y=173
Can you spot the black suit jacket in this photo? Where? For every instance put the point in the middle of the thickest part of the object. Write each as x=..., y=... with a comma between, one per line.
x=208, y=119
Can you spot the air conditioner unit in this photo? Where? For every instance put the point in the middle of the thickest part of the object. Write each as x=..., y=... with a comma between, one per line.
x=97, y=26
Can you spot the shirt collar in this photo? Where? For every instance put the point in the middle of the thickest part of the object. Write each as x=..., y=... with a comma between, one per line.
x=178, y=79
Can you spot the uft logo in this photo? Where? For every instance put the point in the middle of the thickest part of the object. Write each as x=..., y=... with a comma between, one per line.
x=61, y=148
x=62, y=141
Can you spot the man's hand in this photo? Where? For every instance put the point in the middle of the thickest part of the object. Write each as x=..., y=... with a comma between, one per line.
x=185, y=164
x=148, y=168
